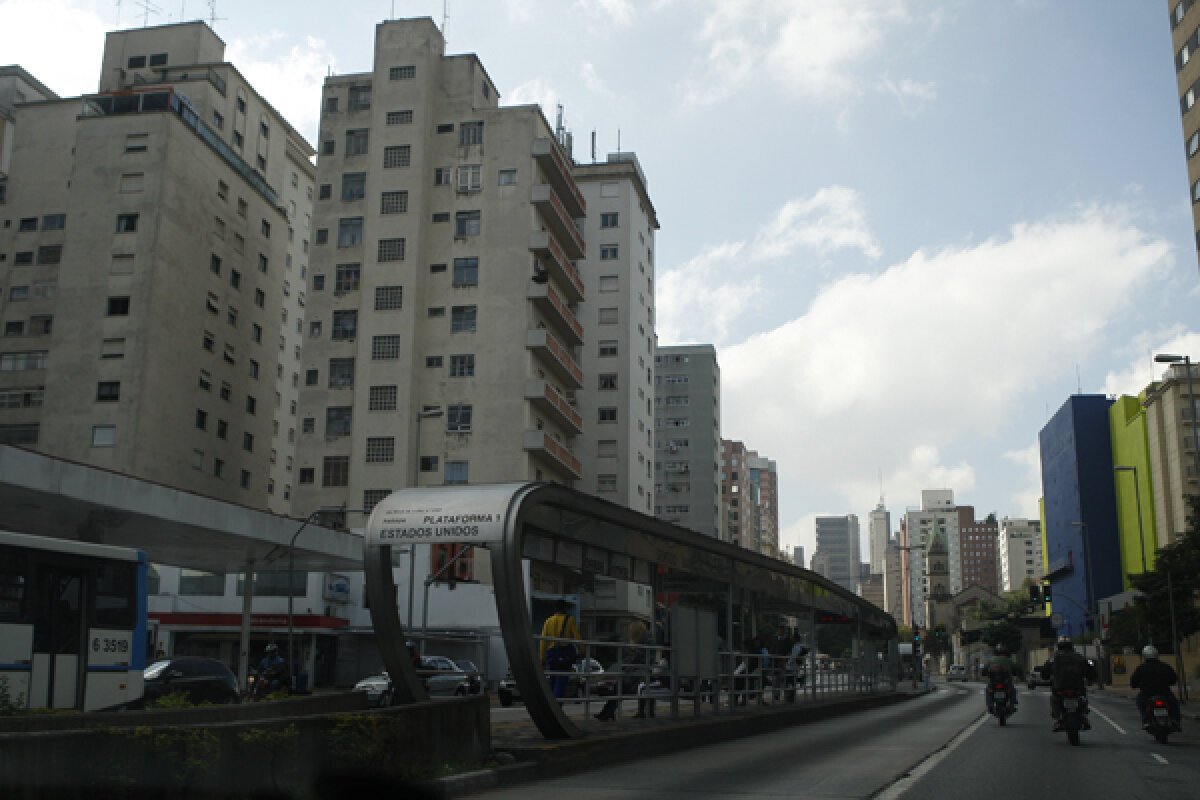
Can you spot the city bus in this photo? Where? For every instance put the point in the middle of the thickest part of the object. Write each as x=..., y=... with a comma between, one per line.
x=72, y=623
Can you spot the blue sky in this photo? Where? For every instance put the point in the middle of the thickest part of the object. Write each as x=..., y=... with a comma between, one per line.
x=910, y=228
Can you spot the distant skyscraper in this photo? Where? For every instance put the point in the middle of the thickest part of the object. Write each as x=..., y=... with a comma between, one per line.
x=838, y=547
x=798, y=556
x=937, y=509
x=977, y=563
x=1019, y=552
x=687, y=437
x=879, y=525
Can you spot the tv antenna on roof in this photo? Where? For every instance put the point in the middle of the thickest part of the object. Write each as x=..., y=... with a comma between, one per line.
x=212, y=14
x=147, y=7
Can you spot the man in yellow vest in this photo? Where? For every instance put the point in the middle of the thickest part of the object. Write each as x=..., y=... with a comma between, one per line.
x=558, y=656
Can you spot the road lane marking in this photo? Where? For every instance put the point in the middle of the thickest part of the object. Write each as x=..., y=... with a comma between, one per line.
x=905, y=783
x=1108, y=719
x=1159, y=758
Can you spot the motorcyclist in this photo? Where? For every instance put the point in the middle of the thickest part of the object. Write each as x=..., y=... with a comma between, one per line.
x=273, y=670
x=1000, y=669
x=1068, y=669
x=1153, y=677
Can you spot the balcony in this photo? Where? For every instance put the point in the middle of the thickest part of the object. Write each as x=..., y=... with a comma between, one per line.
x=543, y=445
x=546, y=200
x=556, y=356
x=552, y=257
x=554, y=164
x=550, y=303
x=546, y=398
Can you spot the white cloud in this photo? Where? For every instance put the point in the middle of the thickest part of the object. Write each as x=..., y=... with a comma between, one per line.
x=619, y=12
x=534, y=91
x=699, y=297
x=889, y=370
x=591, y=79
x=71, y=64
x=1029, y=460
x=290, y=79
x=831, y=219
x=812, y=47
x=1142, y=369
x=910, y=94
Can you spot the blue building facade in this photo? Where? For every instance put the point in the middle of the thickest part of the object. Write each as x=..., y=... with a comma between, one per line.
x=1083, y=553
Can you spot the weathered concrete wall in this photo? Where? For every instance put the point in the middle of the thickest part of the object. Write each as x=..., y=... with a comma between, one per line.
x=235, y=758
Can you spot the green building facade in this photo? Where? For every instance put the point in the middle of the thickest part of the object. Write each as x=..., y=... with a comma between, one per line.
x=1134, y=486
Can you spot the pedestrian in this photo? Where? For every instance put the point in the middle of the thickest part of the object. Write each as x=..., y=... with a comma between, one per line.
x=633, y=659
x=556, y=651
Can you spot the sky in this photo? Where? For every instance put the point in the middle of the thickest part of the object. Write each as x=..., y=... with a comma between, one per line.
x=911, y=228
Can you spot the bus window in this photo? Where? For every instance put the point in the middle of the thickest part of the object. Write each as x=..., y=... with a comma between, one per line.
x=114, y=596
x=13, y=568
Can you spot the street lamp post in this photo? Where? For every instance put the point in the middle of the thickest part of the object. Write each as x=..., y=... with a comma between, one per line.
x=1137, y=495
x=425, y=413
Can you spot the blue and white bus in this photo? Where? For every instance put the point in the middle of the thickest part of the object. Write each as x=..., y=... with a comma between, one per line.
x=72, y=622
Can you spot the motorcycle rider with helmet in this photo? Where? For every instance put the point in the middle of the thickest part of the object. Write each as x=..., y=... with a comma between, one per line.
x=1153, y=677
x=273, y=670
x=1068, y=669
x=999, y=670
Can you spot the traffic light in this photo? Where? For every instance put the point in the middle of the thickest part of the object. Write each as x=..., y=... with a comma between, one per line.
x=1046, y=593
x=1035, y=593
x=916, y=641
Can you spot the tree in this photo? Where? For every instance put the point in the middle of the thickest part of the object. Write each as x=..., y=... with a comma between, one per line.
x=904, y=633
x=937, y=641
x=1002, y=632
x=1152, y=609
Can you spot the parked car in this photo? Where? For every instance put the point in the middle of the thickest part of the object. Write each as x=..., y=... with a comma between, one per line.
x=957, y=672
x=1034, y=679
x=443, y=678
x=473, y=676
x=201, y=680
x=588, y=674
x=378, y=689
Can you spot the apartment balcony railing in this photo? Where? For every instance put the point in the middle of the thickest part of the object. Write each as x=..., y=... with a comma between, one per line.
x=555, y=260
x=547, y=399
x=556, y=356
x=558, y=171
x=543, y=196
x=550, y=303
x=545, y=446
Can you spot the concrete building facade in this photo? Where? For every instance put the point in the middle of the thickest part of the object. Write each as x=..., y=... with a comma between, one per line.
x=687, y=438
x=1170, y=431
x=977, y=548
x=938, y=512
x=1185, y=42
x=1019, y=552
x=765, y=477
x=879, y=531
x=838, y=547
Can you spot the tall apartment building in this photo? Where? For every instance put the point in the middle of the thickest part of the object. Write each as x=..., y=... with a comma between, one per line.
x=617, y=442
x=879, y=531
x=764, y=476
x=443, y=302
x=938, y=512
x=1019, y=552
x=798, y=556
x=16, y=86
x=978, y=559
x=687, y=438
x=151, y=268
x=1185, y=43
x=838, y=548
x=1171, y=450
x=893, y=581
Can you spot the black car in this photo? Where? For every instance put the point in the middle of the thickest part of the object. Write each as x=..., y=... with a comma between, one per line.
x=476, y=682
x=201, y=680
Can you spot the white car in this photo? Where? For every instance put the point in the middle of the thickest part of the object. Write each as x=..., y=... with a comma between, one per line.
x=957, y=673
x=378, y=689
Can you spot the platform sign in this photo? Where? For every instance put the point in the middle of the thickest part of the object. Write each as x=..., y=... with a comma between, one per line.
x=474, y=514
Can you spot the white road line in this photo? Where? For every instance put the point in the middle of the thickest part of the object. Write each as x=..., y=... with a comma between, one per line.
x=904, y=784
x=1108, y=719
x=1159, y=758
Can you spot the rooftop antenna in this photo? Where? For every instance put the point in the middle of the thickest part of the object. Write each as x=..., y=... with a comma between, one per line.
x=618, y=140
x=147, y=7
x=118, y=5
x=1078, y=381
x=212, y=14
x=593, y=145
x=445, y=16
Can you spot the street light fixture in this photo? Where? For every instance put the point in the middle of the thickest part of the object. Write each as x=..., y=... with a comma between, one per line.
x=424, y=413
x=1137, y=494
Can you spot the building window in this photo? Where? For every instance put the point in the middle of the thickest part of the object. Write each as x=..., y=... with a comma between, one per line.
x=458, y=419
x=373, y=497
x=608, y=283
x=118, y=306
x=442, y=176
x=606, y=483
x=41, y=324
x=346, y=278
x=462, y=318
x=23, y=258
x=402, y=73
x=445, y=127
x=467, y=223
x=398, y=155
x=325, y=191
x=382, y=398
x=248, y=442
x=385, y=347
x=14, y=328
x=136, y=142
x=390, y=250
x=609, y=219
x=56, y=222
x=608, y=348
x=462, y=366
x=508, y=177
x=608, y=414
x=608, y=381
x=360, y=98
x=345, y=325
x=393, y=202
x=136, y=62
x=388, y=298
x=354, y=186
x=322, y=236
x=466, y=271
x=350, y=232
x=356, y=141
x=441, y=216
x=327, y=147
x=381, y=450
x=470, y=133
x=606, y=448
x=338, y=421
x=127, y=223
x=307, y=475
x=108, y=391
x=608, y=252
x=19, y=362
x=104, y=435
x=18, y=293
x=433, y=362
x=456, y=472
x=608, y=316
x=201, y=419
x=470, y=178
x=335, y=471
x=399, y=118
x=341, y=373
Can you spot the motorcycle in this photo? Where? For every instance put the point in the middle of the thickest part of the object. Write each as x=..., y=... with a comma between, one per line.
x=260, y=685
x=1071, y=719
x=1002, y=704
x=1158, y=718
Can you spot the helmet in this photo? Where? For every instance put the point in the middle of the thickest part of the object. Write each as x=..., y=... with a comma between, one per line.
x=1001, y=650
x=1149, y=652
x=1065, y=643
x=272, y=649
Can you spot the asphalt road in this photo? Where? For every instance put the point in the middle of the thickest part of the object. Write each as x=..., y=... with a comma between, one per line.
x=939, y=745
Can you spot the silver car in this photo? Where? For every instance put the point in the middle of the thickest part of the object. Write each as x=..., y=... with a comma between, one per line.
x=378, y=689
x=443, y=678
